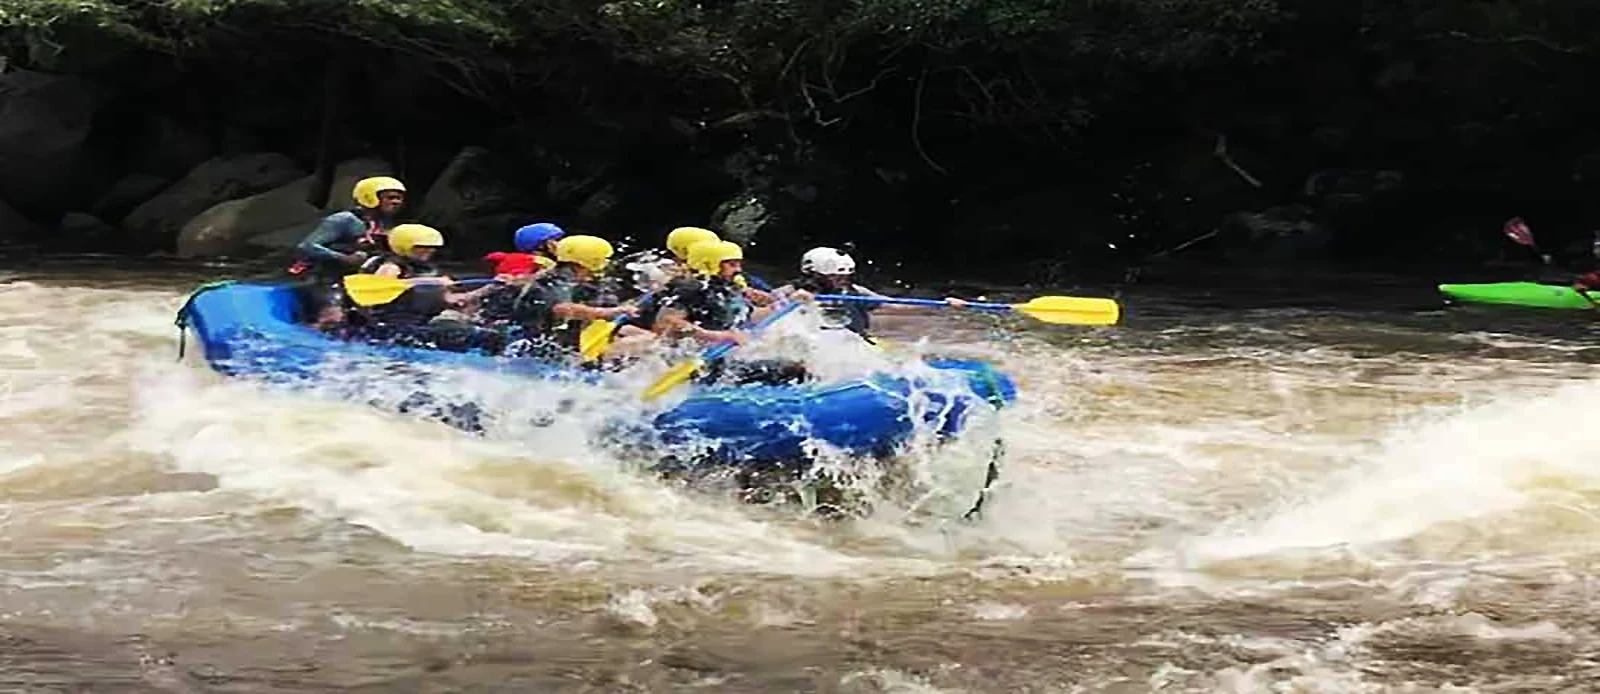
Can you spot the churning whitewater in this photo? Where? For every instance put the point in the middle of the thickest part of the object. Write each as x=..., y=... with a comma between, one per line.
x=1201, y=499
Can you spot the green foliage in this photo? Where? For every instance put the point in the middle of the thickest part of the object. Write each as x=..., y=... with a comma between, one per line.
x=177, y=25
x=996, y=62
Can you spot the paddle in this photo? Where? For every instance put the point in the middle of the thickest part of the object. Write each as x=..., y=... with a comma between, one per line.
x=680, y=374
x=595, y=338
x=1060, y=310
x=1520, y=232
x=372, y=290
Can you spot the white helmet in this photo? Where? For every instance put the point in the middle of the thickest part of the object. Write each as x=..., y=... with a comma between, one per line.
x=827, y=261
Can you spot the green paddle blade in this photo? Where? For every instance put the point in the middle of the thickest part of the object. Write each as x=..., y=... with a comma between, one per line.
x=595, y=339
x=1071, y=310
x=371, y=290
x=676, y=376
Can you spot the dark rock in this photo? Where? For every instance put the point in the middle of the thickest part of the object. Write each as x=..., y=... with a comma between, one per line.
x=15, y=227
x=1345, y=189
x=345, y=177
x=473, y=196
x=80, y=230
x=168, y=147
x=744, y=218
x=157, y=222
x=227, y=228
x=1288, y=234
x=45, y=122
x=128, y=193
x=602, y=207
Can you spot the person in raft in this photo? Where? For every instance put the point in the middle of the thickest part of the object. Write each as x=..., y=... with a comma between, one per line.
x=535, y=254
x=655, y=274
x=344, y=240
x=1589, y=280
x=536, y=251
x=553, y=309
x=710, y=308
x=405, y=320
x=826, y=270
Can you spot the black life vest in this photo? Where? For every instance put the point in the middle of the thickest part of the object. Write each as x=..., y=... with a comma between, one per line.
x=417, y=305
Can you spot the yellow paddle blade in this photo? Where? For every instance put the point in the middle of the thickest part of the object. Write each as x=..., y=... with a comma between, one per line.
x=1071, y=310
x=677, y=376
x=595, y=338
x=371, y=290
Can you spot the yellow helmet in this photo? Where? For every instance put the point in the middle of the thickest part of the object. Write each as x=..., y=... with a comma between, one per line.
x=367, y=189
x=589, y=252
x=707, y=257
x=406, y=238
x=684, y=238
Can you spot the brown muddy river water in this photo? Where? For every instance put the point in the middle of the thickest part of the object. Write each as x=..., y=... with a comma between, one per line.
x=1242, y=492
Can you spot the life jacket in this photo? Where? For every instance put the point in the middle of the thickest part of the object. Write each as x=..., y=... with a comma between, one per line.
x=416, y=305
x=712, y=304
x=650, y=305
x=544, y=335
x=853, y=316
x=374, y=241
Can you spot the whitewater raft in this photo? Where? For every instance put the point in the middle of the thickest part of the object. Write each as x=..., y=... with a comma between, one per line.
x=254, y=330
x=1529, y=294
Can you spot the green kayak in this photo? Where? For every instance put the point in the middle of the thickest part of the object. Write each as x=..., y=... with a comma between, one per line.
x=1517, y=294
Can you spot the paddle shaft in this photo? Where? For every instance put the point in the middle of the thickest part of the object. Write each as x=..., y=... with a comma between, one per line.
x=721, y=349
x=979, y=305
x=1525, y=238
x=640, y=301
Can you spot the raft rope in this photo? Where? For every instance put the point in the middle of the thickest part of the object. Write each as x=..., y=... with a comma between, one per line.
x=997, y=453
x=182, y=319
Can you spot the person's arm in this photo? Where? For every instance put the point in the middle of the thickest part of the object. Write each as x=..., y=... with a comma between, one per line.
x=332, y=229
x=464, y=298
x=901, y=308
x=671, y=322
x=573, y=310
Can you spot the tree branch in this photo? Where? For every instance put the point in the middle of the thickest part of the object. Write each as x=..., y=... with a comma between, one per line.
x=1491, y=40
x=1221, y=152
x=916, y=123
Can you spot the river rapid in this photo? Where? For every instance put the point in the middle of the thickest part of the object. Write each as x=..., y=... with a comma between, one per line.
x=1268, y=490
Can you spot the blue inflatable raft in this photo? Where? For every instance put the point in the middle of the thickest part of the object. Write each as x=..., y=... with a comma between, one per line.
x=254, y=331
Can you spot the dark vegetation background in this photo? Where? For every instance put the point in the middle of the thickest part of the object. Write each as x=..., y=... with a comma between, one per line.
x=1029, y=139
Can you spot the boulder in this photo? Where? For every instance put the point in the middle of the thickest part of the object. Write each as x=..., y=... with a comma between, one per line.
x=168, y=147
x=86, y=231
x=743, y=218
x=45, y=121
x=1335, y=190
x=277, y=240
x=128, y=193
x=465, y=187
x=345, y=177
x=227, y=228
x=473, y=196
x=603, y=207
x=157, y=222
x=15, y=227
x=1287, y=235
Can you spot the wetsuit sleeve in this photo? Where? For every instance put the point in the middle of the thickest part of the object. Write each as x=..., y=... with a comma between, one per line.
x=334, y=228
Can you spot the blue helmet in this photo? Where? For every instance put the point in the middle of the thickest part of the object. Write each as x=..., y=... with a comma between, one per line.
x=533, y=236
